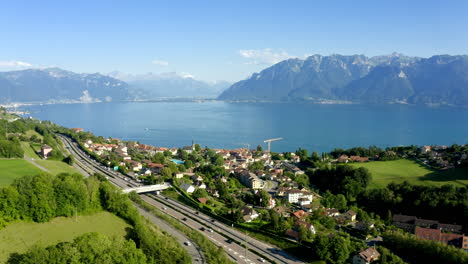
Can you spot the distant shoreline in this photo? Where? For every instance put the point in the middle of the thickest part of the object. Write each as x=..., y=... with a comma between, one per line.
x=204, y=100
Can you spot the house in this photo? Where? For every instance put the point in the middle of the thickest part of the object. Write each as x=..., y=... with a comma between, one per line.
x=134, y=165
x=306, y=225
x=188, y=188
x=45, y=151
x=343, y=159
x=196, y=177
x=202, y=200
x=299, y=214
x=409, y=223
x=350, y=215
x=281, y=210
x=155, y=167
x=200, y=185
x=303, y=201
x=363, y=225
x=250, y=180
x=366, y=256
x=456, y=240
x=294, y=195
x=212, y=192
x=425, y=149
x=292, y=234
x=77, y=129
x=146, y=172
x=189, y=149
x=332, y=212
x=248, y=214
x=179, y=175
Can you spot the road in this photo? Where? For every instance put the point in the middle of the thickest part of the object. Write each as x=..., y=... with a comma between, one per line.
x=193, y=250
x=90, y=166
x=179, y=210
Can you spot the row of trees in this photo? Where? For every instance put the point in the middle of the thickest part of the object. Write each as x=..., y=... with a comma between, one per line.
x=40, y=198
x=11, y=149
x=446, y=203
x=342, y=179
x=87, y=248
x=422, y=251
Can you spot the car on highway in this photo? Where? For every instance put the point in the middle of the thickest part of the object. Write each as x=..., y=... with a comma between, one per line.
x=164, y=208
x=184, y=219
x=261, y=260
x=210, y=230
x=212, y=220
x=229, y=241
x=202, y=228
x=187, y=243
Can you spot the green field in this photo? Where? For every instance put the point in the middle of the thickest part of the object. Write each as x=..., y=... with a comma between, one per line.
x=55, y=167
x=28, y=150
x=15, y=168
x=385, y=172
x=19, y=236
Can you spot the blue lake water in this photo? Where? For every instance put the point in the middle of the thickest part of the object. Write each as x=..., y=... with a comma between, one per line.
x=226, y=125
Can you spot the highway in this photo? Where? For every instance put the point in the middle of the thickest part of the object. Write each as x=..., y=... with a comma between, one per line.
x=222, y=235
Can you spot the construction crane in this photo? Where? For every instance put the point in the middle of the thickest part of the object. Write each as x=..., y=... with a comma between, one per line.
x=269, y=142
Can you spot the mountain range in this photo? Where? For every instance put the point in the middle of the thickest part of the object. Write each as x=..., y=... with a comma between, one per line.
x=440, y=79
x=53, y=85
x=170, y=84
x=57, y=85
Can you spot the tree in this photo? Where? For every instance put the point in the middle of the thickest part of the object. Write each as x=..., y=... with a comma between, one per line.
x=274, y=219
x=259, y=148
x=197, y=148
x=219, y=161
x=264, y=198
x=257, y=165
x=200, y=193
x=166, y=173
x=69, y=160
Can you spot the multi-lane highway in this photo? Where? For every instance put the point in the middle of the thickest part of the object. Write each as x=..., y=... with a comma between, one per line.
x=222, y=235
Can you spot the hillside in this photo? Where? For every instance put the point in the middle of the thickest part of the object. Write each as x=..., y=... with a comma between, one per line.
x=395, y=78
x=54, y=84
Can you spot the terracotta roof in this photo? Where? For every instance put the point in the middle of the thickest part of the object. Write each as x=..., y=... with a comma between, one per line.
x=299, y=214
x=202, y=200
x=369, y=254
x=427, y=233
x=292, y=233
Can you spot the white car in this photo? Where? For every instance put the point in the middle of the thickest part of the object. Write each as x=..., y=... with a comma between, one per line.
x=261, y=260
x=187, y=243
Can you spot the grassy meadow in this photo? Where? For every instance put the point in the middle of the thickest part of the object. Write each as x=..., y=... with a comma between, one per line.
x=11, y=169
x=55, y=167
x=18, y=237
x=385, y=172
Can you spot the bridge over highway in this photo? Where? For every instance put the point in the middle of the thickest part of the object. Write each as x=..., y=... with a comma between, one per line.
x=147, y=188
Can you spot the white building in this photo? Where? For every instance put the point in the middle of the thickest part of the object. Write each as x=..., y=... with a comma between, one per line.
x=294, y=195
x=188, y=188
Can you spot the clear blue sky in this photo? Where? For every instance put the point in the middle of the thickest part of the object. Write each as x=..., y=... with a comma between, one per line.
x=220, y=40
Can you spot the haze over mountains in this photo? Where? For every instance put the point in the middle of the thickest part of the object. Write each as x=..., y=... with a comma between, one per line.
x=53, y=85
x=170, y=84
x=396, y=78
x=438, y=80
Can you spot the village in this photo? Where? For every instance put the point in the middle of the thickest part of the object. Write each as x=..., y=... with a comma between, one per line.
x=262, y=190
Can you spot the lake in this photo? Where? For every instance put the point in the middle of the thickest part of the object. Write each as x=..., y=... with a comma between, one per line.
x=229, y=125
